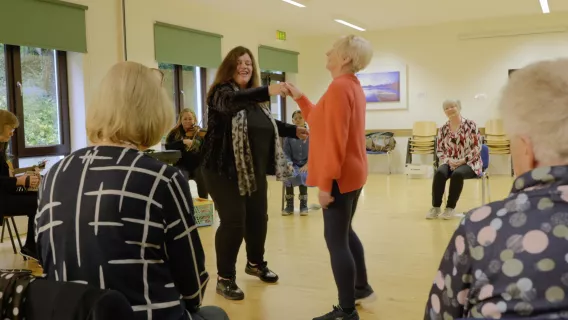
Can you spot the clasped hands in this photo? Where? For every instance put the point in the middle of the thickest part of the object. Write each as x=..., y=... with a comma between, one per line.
x=454, y=164
x=284, y=89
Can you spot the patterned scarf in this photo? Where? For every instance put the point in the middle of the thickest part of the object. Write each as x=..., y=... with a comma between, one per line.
x=243, y=155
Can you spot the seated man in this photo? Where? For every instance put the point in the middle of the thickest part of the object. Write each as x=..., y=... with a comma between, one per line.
x=459, y=153
x=508, y=259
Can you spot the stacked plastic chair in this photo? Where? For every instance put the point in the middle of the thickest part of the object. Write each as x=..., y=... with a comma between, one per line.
x=423, y=140
x=496, y=139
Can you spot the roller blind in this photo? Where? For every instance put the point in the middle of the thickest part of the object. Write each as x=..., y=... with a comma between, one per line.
x=188, y=47
x=47, y=24
x=275, y=59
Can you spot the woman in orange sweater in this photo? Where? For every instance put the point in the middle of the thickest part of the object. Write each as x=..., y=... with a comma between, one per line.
x=338, y=167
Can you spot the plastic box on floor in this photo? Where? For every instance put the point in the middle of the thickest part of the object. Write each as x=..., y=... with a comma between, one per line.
x=204, y=211
x=419, y=171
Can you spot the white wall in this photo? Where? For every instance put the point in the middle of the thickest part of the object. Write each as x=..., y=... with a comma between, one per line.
x=440, y=66
x=105, y=46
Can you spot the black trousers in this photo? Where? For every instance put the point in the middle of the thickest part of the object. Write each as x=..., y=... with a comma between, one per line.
x=21, y=204
x=242, y=217
x=456, y=184
x=345, y=248
x=197, y=176
x=303, y=190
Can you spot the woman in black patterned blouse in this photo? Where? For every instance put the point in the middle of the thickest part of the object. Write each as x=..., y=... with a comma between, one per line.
x=508, y=259
x=241, y=147
x=113, y=217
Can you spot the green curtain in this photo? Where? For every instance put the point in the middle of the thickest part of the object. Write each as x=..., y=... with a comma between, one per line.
x=186, y=47
x=47, y=24
x=274, y=59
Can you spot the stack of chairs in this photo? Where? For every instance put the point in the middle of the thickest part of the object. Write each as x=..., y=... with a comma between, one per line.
x=495, y=137
x=423, y=140
x=497, y=140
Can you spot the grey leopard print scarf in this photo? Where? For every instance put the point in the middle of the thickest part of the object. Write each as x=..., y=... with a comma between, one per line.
x=243, y=155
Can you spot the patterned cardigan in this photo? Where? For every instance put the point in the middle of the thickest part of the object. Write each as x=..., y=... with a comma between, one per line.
x=465, y=143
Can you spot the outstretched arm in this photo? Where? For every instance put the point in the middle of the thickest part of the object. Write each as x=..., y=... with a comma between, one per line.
x=286, y=130
x=228, y=101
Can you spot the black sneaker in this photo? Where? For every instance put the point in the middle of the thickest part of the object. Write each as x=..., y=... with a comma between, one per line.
x=262, y=272
x=364, y=295
x=229, y=290
x=29, y=253
x=339, y=314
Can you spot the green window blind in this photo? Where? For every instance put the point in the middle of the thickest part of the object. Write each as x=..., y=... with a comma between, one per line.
x=187, y=47
x=48, y=24
x=275, y=59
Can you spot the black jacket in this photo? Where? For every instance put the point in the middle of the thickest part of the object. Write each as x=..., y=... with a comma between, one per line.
x=222, y=105
x=189, y=159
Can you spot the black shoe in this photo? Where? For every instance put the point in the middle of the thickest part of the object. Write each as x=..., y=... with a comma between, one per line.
x=289, y=205
x=304, y=205
x=262, y=272
x=339, y=314
x=29, y=253
x=229, y=290
x=364, y=295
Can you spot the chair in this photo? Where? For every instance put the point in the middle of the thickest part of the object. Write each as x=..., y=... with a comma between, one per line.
x=7, y=221
x=497, y=140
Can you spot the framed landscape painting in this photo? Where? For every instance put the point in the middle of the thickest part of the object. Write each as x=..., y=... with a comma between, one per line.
x=384, y=89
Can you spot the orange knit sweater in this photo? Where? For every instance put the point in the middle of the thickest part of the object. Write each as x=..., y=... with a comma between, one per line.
x=337, y=136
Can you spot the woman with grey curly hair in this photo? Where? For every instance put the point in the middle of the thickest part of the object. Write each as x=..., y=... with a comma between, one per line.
x=508, y=259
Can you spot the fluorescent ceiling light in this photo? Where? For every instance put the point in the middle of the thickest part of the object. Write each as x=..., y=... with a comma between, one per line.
x=295, y=3
x=349, y=24
x=544, y=6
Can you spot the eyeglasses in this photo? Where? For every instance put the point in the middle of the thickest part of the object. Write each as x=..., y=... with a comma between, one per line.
x=160, y=74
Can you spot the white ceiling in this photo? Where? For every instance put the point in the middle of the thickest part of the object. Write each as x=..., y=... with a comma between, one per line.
x=318, y=16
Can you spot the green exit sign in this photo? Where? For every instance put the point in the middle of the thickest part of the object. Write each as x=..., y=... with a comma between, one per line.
x=280, y=35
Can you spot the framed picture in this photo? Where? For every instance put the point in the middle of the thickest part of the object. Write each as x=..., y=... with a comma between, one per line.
x=385, y=88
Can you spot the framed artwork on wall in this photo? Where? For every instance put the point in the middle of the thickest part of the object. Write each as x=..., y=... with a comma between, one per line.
x=385, y=88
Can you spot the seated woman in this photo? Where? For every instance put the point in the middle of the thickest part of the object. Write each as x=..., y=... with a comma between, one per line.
x=184, y=137
x=114, y=217
x=296, y=151
x=12, y=201
x=507, y=260
x=459, y=153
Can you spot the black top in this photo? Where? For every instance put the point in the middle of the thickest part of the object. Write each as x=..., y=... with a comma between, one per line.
x=261, y=138
x=189, y=159
x=7, y=183
x=222, y=105
x=117, y=218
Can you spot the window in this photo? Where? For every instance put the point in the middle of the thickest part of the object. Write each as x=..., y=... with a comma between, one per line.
x=33, y=85
x=186, y=85
x=277, y=103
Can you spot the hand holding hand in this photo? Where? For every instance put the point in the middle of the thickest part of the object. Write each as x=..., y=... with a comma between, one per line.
x=277, y=89
x=293, y=91
x=325, y=199
x=302, y=133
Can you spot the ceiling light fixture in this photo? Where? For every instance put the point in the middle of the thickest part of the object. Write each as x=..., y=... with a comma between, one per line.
x=294, y=3
x=544, y=6
x=349, y=24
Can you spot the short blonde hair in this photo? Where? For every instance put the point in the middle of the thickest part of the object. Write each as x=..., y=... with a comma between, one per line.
x=131, y=106
x=7, y=118
x=357, y=48
x=534, y=103
x=456, y=103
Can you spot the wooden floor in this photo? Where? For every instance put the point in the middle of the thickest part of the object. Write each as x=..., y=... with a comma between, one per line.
x=402, y=251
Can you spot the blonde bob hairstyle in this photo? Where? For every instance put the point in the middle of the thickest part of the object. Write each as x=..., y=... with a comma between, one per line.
x=534, y=104
x=358, y=49
x=455, y=103
x=130, y=107
x=7, y=118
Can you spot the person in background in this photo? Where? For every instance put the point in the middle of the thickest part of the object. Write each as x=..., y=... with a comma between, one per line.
x=112, y=216
x=12, y=201
x=241, y=147
x=459, y=152
x=296, y=152
x=338, y=167
x=185, y=138
x=507, y=259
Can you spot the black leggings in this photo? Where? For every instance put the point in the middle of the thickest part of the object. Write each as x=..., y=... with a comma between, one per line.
x=303, y=190
x=241, y=217
x=22, y=204
x=345, y=248
x=456, y=184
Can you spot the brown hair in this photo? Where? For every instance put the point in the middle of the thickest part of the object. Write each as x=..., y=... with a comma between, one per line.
x=228, y=67
x=7, y=118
